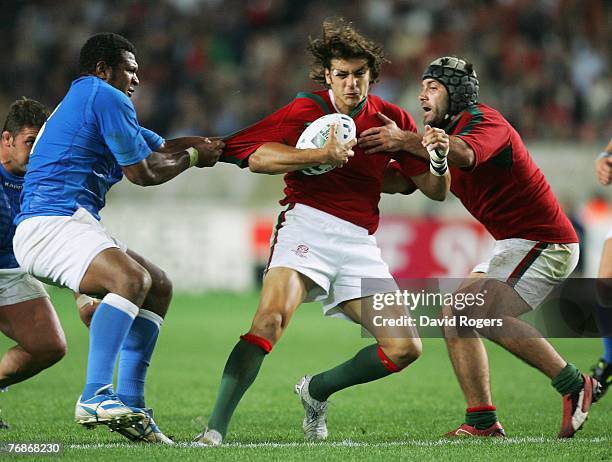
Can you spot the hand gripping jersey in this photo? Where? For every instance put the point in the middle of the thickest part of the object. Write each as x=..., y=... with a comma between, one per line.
x=352, y=192
x=80, y=150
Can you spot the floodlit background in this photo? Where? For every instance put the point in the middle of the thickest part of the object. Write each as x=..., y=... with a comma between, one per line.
x=211, y=67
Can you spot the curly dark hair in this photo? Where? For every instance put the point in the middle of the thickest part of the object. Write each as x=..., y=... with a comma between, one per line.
x=107, y=47
x=25, y=113
x=341, y=41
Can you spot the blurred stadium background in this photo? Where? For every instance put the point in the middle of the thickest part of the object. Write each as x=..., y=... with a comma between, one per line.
x=211, y=67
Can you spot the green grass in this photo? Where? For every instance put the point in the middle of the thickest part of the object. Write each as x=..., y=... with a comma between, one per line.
x=400, y=417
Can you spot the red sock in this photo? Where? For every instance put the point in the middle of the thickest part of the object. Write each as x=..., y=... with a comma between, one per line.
x=390, y=365
x=261, y=342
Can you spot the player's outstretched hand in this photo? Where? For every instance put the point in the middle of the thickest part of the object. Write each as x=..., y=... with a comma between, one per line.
x=387, y=138
x=208, y=152
x=436, y=139
x=336, y=153
x=603, y=167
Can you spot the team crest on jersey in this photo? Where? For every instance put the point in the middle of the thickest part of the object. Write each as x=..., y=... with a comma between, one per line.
x=301, y=250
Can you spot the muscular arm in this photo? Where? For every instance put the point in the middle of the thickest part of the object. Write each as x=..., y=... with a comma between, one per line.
x=459, y=155
x=276, y=158
x=161, y=165
x=389, y=137
x=434, y=187
x=157, y=168
x=179, y=144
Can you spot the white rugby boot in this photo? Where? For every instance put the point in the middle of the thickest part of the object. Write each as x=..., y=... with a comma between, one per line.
x=315, y=412
x=208, y=438
x=105, y=408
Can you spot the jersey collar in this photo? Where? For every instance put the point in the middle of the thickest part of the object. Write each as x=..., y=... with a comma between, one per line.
x=355, y=111
x=453, y=122
x=456, y=118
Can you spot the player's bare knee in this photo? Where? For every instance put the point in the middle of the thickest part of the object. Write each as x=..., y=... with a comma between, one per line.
x=49, y=352
x=410, y=349
x=133, y=283
x=159, y=296
x=56, y=353
x=268, y=324
x=163, y=286
x=141, y=281
x=403, y=351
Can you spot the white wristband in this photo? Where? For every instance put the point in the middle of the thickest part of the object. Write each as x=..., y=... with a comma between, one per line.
x=604, y=154
x=193, y=156
x=438, y=164
x=438, y=171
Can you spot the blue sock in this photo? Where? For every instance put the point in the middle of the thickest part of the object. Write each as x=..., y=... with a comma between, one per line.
x=135, y=357
x=607, y=341
x=109, y=327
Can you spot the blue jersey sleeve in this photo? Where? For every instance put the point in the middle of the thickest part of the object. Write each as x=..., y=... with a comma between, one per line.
x=119, y=127
x=154, y=141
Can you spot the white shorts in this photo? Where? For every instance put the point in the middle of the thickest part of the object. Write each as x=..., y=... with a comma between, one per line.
x=17, y=286
x=336, y=254
x=532, y=268
x=59, y=249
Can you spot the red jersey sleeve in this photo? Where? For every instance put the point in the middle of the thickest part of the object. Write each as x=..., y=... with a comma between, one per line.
x=485, y=133
x=240, y=145
x=283, y=126
x=409, y=165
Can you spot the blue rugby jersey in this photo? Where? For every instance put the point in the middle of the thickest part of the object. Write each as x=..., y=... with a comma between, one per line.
x=10, y=190
x=79, y=151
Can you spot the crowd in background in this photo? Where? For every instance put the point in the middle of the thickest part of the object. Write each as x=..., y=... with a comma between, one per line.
x=214, y=66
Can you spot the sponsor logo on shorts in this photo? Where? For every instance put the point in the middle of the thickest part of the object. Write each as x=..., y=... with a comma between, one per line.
x=301, y=251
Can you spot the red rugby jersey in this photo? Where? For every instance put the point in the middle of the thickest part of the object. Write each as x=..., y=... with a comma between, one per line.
x=352, y=192
x=504, y=189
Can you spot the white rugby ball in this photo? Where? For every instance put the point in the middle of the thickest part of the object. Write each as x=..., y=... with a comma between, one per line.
x=316, y=134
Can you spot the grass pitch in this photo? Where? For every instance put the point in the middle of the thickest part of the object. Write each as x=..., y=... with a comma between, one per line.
x=400, y=417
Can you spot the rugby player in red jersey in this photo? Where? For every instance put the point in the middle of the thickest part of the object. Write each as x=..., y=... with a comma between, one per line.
x=536, y=247
x=323, y=244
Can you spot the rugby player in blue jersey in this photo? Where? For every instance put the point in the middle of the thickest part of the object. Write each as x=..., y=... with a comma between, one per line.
x=26, y=314
x=90, y=141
